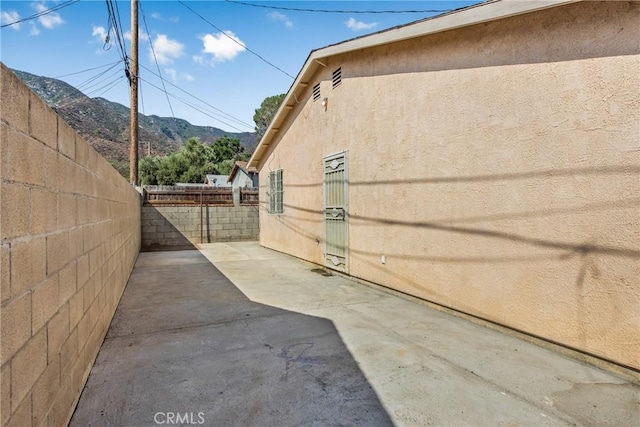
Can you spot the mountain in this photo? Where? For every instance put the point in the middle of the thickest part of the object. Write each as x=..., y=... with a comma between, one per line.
x=105, y=124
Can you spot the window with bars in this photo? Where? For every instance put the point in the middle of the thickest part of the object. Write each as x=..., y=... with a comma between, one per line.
x=316, y=92
x=275, y=192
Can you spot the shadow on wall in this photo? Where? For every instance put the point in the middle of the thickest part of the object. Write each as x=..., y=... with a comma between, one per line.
x=159, y=234
x=201, y=347
x=182, y=227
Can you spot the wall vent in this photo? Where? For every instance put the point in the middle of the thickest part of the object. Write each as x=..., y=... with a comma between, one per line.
x=337, y=77
x=316, y=92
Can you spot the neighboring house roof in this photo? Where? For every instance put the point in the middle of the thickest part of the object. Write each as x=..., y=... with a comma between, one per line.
x=241, y=166
x=491, y=10
x=219, y=180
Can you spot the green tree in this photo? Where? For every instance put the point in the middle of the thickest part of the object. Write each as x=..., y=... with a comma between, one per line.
x=226, y=148
x=265, y=113
x=148, y=170
x=192, y=162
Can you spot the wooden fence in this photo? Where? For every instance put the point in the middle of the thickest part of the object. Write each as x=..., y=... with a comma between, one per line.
x=171, y=195
x=164, y=195
x=248, y=196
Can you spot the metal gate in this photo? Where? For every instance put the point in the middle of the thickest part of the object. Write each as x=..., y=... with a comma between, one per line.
x=336, y=212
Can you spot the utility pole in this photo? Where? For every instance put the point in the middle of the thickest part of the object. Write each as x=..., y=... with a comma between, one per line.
x=133, y=80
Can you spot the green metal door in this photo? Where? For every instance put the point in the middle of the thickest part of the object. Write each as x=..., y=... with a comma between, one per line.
x=336, y=254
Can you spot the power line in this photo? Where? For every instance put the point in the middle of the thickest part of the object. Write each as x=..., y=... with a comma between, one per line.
x=115, y=25
x=144, y=19
x=42, y=13
x=87, y=84
x=88, y=69
x=229, y=116
x=193, y=106
x=236, y=41
x=295, y=9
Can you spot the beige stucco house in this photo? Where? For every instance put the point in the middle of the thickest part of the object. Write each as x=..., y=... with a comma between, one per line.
x=486, y=160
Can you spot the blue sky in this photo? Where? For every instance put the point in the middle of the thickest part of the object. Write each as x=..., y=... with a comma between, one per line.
x=191, y=53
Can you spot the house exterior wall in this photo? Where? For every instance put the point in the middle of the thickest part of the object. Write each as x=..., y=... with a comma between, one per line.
x=241, y=179
x=70, y=230
x=495, y=166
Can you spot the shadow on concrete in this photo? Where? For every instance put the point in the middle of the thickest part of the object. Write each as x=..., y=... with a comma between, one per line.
x=184, y=340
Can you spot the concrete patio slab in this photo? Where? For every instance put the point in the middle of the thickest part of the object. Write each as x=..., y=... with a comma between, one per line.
x=240, y=335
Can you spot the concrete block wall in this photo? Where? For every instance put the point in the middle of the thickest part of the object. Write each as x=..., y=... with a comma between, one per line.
x=179, y=226
x=70, y=234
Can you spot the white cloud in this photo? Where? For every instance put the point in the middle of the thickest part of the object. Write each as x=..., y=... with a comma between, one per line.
x=174, y=19
x=156, y=15
x=141, y=35
x=281, y=17
x=175, y=75
x=200, y=60
x=99, y=32
x=171, y=73
x=359, y=25
x=166, y=49
x=223, y=47
x=34, y=31
x=50, y=20
x=10, y=16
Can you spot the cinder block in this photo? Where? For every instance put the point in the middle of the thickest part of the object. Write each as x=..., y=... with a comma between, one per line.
x=15, y=207
x=26, y=367
x=82, y=265
x=67, y=210
x=5, y=393
x=96, y=259
x=71, y=387
x=16, y=325
x=84, y=328
x=76, y=309
x=69, y=353
x=44, y=300
x=22, y=414
x=57, y=332
x=5, y=271
x=92, y=160
x=44, y=392
x=44, y=218
x=228, y=226
x=82, y=151
x=52, y=170
x=150, y=229
x=28, y=264
x=224, y=220
x=88, y=293
x=66, y=139
x=15, y=100
x=57, y=251
x=76, y=243
x=22, y=157
x=236, y=220
x=89, y=237
x=67, y=282
x=43, y=121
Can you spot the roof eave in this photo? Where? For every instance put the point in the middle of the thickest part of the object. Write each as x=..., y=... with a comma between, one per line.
x=472, y=15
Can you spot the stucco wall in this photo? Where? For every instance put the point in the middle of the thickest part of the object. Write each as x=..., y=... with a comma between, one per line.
x=70, y=229
x=496, y=167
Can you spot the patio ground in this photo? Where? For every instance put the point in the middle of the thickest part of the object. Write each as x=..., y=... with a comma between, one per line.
x=236, y=334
